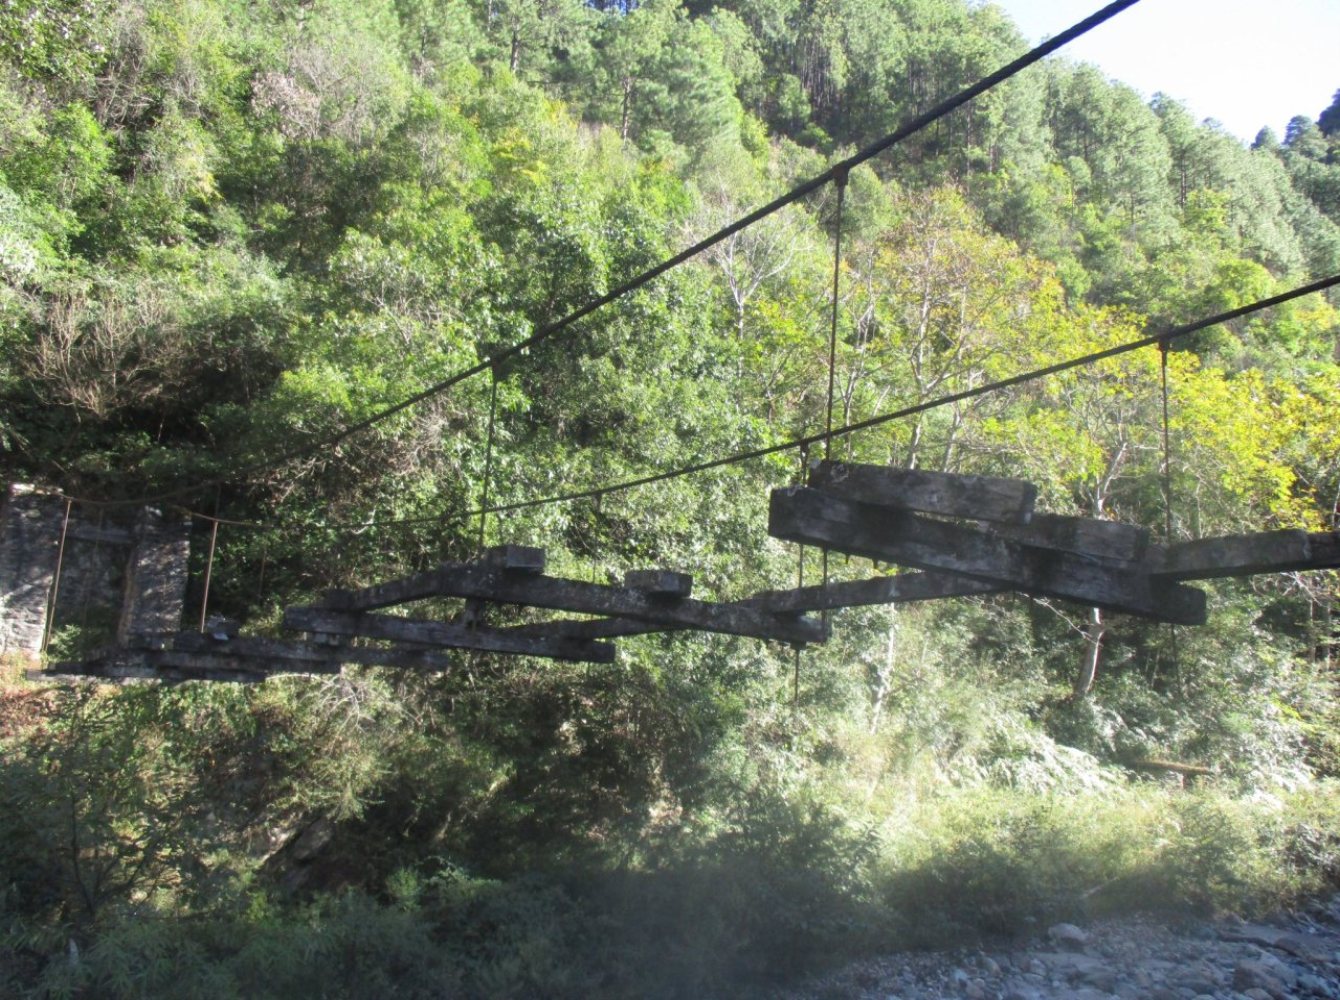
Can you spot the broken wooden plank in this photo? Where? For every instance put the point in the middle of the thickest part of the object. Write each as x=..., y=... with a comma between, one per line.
x=814, y=518
x=558, y=594
x=659, y=582
x=981, y=498
x=317, y=619
x=1246, y=555
x=1085, y=535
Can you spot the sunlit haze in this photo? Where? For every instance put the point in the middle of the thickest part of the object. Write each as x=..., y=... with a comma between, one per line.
x=1244, y=63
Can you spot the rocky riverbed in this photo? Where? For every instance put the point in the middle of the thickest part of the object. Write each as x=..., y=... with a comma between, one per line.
x=1293, y=955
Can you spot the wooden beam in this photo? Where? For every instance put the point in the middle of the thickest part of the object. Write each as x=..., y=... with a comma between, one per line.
x=488, y=640
x=1246, y=555
x=594, y=628
x=522, y=560
x=147, y=667
x=558, y=594
x=254, y=646
x=515, y=558
x=981, y=498
x=659, y=582
x=900, y=589
x=322, y=654
x=1084, y=535
x=227, y=661
x=815, y=518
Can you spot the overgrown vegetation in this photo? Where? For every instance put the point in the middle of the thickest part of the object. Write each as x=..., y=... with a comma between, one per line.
x=227, y=229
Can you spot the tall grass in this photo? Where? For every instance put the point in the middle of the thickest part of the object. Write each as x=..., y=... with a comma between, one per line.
x=791, y=889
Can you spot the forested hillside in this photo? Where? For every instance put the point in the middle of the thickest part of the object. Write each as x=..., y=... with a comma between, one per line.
x=230, y=230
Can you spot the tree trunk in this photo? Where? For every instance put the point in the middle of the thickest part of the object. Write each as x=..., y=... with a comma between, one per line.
x=1093, y=650
x=884, y=676
x=626, y=112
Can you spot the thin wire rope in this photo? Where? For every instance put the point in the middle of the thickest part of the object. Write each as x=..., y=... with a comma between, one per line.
x=488, y=457
x=1173, y=334
x=840, y=181
x=804, y=455
x=802, y=190
x=807, y=441
x=1167, y=448
x=1168, y=491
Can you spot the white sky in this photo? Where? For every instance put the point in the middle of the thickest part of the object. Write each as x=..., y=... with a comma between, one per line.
x=1245, y=63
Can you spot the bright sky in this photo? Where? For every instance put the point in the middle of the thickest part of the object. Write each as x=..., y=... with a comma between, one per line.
x=1245, y=63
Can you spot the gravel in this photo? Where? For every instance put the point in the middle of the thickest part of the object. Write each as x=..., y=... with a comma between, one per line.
x=1290, y=956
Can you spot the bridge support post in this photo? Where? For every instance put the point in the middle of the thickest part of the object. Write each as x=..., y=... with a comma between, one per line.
x=30, y=524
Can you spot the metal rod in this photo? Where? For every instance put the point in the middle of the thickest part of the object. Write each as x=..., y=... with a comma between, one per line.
x=209, y=571
x=54, y=593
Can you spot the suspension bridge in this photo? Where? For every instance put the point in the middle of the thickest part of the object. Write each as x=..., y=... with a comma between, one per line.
x=959, y=535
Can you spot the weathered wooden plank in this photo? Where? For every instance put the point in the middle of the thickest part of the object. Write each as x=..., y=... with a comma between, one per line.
x=516, y=558
x=324, y=654
x=558, y=594
x=1085, y=535
x=904, y=588
x=901, y=589
x=276, y=660
x=815, y=518
x=1245, y=555
x=595, y=628
x=446, y=634
x=207, y=662
x=982, y=498
x=255, y=646
x=146, y=667
x=508, y=559
x=660, y=582
x=384, y=595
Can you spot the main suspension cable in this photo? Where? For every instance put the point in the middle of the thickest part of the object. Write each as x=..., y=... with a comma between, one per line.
x=1170, y=335
x=807, y=441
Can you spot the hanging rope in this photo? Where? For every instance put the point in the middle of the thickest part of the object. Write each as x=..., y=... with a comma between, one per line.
x=1167, y=486
x=1167, y=448
x=840, y=180
x=804, y=454
x=488, y=453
